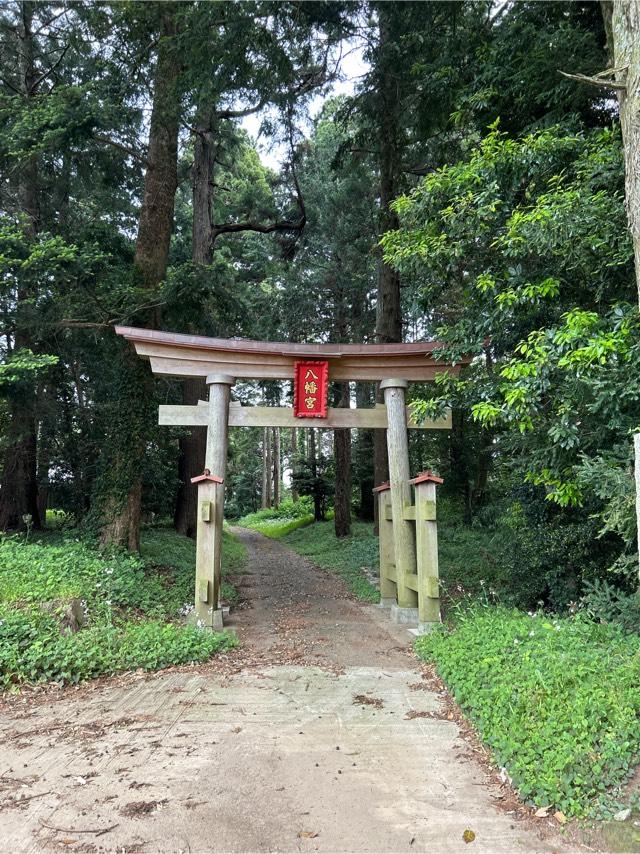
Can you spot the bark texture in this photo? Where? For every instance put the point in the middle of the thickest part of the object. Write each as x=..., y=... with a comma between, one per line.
x=190, y=463
x=388, y=309
x=625, y=31
x=342, y=457
x=122, y=489
x=19, y=491
x=193, y=444
x=277, y=467
x=625, y=27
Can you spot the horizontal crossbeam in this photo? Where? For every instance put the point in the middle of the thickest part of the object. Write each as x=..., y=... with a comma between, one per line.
x=274, y=416
x=177, y=355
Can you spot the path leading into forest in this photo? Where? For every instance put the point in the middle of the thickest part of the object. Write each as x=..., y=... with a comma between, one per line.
x=322, y=734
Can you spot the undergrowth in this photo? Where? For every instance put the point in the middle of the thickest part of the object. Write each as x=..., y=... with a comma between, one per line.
x=276, y=522
x=556, y=700
x=126, y=599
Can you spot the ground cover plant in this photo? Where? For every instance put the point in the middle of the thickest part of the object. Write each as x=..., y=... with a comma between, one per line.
x=69, y=612
x=275, y=522
x=556, y=700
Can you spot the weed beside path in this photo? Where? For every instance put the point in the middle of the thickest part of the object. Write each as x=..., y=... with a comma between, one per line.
x=556, y=700
x=69, y=612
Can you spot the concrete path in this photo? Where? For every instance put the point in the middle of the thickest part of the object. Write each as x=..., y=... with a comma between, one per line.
x=315, y=737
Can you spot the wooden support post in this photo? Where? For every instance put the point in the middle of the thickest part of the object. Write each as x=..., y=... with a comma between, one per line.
x=211, y=505
x=427, y=548
x=387, y=557
x=404, y=541
x=207, y=613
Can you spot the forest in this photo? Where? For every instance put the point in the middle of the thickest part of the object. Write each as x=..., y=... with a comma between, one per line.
x=465, y=190
x=326, y=171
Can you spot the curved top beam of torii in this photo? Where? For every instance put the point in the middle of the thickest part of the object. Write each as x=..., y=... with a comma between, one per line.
x=172, y=354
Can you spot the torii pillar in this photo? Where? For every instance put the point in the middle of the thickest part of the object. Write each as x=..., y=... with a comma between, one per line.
x=208, y=613
x=404, y=537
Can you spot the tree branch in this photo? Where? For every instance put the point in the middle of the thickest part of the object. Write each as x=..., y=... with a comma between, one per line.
x=239, y=114
x=600, y=79
x=45, y=74
x=121, y=147
x=278, y=225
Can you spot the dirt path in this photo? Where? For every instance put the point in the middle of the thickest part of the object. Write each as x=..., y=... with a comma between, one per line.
x=317, y=736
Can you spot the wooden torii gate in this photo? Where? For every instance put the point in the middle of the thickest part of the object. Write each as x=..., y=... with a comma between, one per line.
x=221, y=361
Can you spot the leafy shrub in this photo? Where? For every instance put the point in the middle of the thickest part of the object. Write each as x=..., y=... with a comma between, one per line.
x=275, y=522
x=547, y=558
x=556, y=700
x=276, y=528
x=609, y=604
x=287, y=509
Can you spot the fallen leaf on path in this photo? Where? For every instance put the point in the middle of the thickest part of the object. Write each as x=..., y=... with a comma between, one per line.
x=364, y=700
x=68, y=841
x=468, y=835
x=136, y=808
x=560, y=817
x=543, y=812
x=307, y=834
x=412, y=714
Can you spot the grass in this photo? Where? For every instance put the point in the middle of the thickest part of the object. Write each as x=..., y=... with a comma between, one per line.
x=277, y=528
x=276, y=522
x=556, y=700
x=132, y=605
x=162, y=547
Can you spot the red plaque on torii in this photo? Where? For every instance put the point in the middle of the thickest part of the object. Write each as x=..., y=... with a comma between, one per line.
x=310, y=388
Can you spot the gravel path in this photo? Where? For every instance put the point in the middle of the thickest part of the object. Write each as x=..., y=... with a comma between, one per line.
x=321, y=734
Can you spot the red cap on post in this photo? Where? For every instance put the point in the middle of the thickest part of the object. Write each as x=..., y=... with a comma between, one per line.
x=383, y=487
x=206, y=475
x=426, y=477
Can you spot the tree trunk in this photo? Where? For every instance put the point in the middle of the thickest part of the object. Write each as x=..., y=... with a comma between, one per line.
x=266, y=468
x=342, y=457
x=624, y=26
x=193, y=445
x=364, y=458
x=294, y=454
x=277, y=467
x=318, y=512
x=121, y=488
x=19, y=491
x=190, y=463
x=388, y=311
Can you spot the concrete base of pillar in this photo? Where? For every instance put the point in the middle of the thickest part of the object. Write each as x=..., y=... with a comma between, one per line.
x=423, y=629
x=404, y=615
x=209, y=620
x=387, y=603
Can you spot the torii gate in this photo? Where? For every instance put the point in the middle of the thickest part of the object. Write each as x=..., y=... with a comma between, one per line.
x=221, y=361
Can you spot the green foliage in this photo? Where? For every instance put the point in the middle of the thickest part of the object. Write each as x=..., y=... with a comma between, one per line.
x=275, y=522
x=608, y=604
x=556, y=700
x=33, y=650
x=119, y=592
x=522, y=256
x=276, y=528
x=349, y=557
